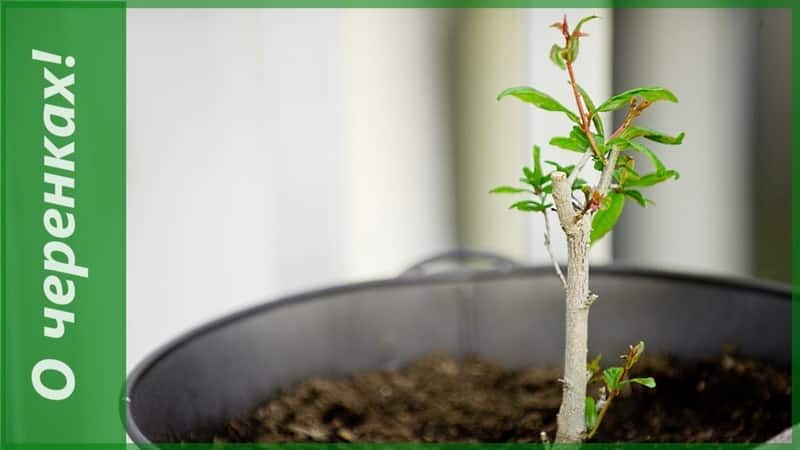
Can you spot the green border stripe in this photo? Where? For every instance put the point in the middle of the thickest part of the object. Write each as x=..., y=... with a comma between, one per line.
x=63, y=228
x=459, y=3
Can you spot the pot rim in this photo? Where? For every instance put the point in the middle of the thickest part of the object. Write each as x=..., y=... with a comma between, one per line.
x=145, y=365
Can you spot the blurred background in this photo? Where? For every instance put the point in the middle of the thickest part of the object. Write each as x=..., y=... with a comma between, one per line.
x=276, y=151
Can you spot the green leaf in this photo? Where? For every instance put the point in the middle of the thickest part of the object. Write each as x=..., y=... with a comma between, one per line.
x=637, y=196
x=531, y=177
x=568, y=143
x=538, y=99
x=605, y=219
x=578, y=134
x=652, y=94
x=612, y=377
x=578, y=183
x=508, y=190
x=590, y=413
x=566, y=169
x=641, y=148
x=649, y=382
x=555, y=56
x=537, y=163
x=657, y=136
x=583, y=21
x=651, y=179
x=598, y=123
x=573, y=44
x=530, y=206
x=635, y=353
x=593, y=366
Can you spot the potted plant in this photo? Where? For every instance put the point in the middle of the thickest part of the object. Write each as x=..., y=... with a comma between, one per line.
x=586, y=219
x=338, y=364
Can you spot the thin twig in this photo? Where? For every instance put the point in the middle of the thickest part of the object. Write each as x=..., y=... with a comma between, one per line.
x=633, y=112
x=579, y=167
x=549, y=248
x=608, y=171
x=585, y=121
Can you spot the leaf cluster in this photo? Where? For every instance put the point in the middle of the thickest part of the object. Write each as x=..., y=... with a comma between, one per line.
x=588, y=134
x=613, y=379
x=536, y=181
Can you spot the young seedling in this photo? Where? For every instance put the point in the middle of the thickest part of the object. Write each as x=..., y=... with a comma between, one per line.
x=586, y=214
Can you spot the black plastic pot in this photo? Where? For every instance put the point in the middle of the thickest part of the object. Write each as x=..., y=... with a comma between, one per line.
x=510, y=314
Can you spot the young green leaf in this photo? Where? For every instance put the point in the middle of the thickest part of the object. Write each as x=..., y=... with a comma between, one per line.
x=649, y=382
x=577, y=134
x=538, y=99
x=566, y=169
x=652, y=94
x=573, y=44
x=530, y=206
x=633, y=132
x=612, y=377
x=508, y=190
x=636, y=352
x=593, y=366
x=598, y=123
x=652, y=178
x=555, y=56
x=641, y=148
x=577, y=29
x=529, y=176
x=637, y=196
x=537, y=163
x=605, y=219
x=568, y=143
x=578, y=183
x=590, y=413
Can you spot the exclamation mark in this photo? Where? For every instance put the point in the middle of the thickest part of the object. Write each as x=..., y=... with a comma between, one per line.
x=39, y=55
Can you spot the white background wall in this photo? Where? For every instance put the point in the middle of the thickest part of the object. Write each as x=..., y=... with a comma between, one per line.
x=702, y=222
x=273, y=151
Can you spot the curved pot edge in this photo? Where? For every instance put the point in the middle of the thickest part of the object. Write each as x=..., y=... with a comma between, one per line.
x=155, y=356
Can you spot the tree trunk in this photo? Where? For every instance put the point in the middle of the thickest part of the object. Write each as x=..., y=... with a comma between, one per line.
x=571, y=420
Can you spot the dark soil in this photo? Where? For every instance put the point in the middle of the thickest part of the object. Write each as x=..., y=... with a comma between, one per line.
x=438, y=399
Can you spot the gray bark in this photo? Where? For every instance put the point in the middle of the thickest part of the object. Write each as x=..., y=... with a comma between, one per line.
x=571, y=422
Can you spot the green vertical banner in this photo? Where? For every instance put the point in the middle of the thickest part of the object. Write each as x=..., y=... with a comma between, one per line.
x=62, y=198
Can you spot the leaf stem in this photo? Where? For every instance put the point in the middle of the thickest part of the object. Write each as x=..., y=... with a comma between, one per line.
x=585, y=121
x=633, y=112
x=585, y=118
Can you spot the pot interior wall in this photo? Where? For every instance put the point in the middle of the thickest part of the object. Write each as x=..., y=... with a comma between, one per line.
x=226, y=368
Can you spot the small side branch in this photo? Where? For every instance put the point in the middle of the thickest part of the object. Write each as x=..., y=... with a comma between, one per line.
x=550, y=249
x=579, y=168
x=608, y=171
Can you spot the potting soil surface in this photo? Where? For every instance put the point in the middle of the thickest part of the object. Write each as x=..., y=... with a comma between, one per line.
x=440, y=399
